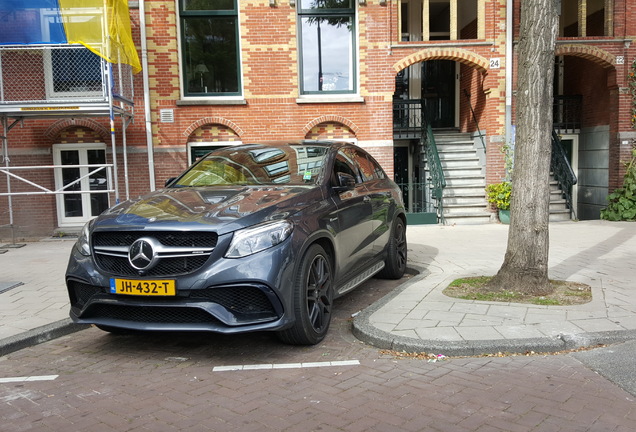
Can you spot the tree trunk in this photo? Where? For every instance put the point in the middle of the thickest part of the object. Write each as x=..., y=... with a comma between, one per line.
x=525, y=266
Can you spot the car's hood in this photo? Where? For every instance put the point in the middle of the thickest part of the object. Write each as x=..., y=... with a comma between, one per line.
x=222, y=209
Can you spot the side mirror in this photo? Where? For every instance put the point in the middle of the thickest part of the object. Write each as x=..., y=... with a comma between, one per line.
x=346, y=182
x=169, y=181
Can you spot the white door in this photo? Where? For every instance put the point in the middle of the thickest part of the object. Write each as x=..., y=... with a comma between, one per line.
x=78, y=208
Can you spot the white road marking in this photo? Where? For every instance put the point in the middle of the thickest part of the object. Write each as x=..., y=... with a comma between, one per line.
x=29, y=378
x=285, y=366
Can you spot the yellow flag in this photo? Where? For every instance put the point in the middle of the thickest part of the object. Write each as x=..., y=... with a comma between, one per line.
x=102, y=26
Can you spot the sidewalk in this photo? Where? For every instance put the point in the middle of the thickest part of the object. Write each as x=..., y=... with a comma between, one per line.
x=34, y=303
x=417, y=316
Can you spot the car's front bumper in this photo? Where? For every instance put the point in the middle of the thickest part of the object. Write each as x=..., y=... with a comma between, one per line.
x=225, y=296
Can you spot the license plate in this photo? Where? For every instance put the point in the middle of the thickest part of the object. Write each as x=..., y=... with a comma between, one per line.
x=143, y=287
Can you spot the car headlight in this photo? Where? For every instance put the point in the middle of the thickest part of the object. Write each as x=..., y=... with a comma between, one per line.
x=251, y=240
x=83, y=244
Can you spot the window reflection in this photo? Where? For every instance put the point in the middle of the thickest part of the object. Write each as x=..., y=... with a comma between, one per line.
x=327, y=46
x=257, y=165
x=327, y=55
x=210, y=47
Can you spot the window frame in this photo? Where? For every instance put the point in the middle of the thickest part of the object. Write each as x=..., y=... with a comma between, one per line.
x=182, y=16
x=51, y=72
x=325, y=13
x=196, y=147
x=85, y=192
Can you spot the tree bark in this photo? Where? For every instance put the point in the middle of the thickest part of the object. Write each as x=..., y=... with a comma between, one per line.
x=525, y=266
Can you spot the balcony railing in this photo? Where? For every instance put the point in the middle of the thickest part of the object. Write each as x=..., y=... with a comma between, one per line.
x=34, y=77
x=407, y=119
x=567, y=113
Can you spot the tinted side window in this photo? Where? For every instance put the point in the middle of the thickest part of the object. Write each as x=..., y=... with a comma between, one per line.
x=345, y=163
x=366, y=166
x=378, y=172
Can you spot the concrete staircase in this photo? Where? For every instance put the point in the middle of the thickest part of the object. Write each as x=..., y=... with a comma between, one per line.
x=559, y=210
x=464, y=198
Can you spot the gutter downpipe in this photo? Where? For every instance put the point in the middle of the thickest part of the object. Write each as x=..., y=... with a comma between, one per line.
x=509, y=33
x=147, y=114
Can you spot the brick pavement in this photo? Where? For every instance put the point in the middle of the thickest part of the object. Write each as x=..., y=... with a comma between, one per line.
x=163, y=383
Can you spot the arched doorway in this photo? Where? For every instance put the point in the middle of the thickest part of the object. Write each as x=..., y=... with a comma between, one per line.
x=429, y=106
x=435, y=84
x=582, y=107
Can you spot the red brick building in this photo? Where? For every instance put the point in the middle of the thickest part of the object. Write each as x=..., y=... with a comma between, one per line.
x=374, y=71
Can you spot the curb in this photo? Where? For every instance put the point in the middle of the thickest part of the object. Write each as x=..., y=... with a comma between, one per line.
x=39, y=335
x=364, y=331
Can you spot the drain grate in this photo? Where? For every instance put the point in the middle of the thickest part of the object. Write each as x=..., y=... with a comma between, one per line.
x=6, y=286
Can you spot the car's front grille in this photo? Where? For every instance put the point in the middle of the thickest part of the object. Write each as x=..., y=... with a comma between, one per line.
x=242, y=300
x=166, y=315
x=165, y=267
x=178, y=253
x=167, y=238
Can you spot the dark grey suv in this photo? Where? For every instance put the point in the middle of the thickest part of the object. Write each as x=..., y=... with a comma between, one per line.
x=251, y=237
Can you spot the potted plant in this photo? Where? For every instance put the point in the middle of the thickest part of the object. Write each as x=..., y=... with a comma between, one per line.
x=498, y=195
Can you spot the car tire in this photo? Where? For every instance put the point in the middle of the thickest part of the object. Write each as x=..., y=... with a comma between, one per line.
x=313, y=299
x=396, y=254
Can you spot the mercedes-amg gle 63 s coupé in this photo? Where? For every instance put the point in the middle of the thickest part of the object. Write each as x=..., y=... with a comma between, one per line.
x=251, y=237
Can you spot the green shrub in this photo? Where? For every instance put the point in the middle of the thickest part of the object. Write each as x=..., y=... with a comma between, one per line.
x=622, y=202
x=498, y=195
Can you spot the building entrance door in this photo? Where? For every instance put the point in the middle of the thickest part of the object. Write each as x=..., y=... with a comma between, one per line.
x=75, y=209
x=439, y=93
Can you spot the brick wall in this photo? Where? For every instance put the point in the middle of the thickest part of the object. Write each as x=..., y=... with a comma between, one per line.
x=272, y=109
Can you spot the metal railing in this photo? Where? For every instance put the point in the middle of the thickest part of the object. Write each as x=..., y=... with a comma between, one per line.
x=417, y=197
x=438, y=181
x=472, y=112
x=50, y=74
x=566, y=114
x=409, y=122
x=407, y=118
x=562, y=171
x=43, y=190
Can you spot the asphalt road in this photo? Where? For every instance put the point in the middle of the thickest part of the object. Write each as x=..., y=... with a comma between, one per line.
x=617, y=363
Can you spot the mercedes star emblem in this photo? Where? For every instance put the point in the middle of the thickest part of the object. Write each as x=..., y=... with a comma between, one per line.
x=141, y=254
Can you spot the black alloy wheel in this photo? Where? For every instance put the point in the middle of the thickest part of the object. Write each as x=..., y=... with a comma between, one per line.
x=313, y=299
x=396, y=256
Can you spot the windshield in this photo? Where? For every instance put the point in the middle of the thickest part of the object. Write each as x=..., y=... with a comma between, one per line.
x=257, y=165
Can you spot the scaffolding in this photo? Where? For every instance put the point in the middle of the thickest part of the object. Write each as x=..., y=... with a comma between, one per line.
x=51, y=78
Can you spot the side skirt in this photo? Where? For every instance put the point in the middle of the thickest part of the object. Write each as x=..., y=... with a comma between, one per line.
x=359, y=279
